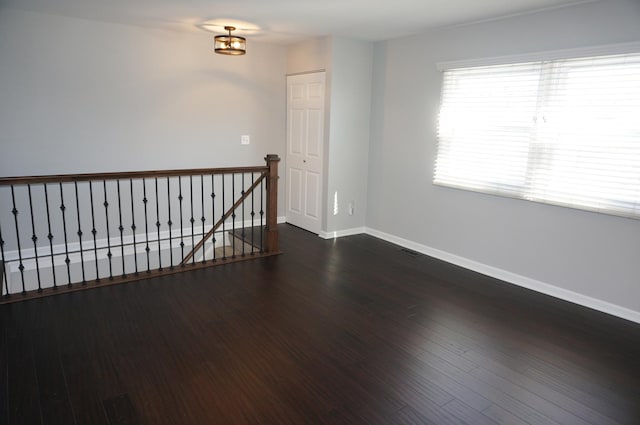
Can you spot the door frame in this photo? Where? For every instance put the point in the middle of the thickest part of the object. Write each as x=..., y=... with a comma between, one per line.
x=323, y=168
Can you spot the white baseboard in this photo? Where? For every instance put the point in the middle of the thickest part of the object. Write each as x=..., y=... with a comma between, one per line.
x=336, y=234
x=341, y=233
x=485, y=269
x=513, y=278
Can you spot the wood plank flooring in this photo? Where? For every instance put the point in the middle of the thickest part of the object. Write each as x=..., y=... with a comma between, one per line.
x=346, y=331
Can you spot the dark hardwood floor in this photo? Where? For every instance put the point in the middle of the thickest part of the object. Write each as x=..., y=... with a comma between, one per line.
x=346, y=331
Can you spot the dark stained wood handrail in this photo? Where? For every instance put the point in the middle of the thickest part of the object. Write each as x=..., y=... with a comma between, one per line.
x=226, y=215
x=70, y=178
x=267, y=173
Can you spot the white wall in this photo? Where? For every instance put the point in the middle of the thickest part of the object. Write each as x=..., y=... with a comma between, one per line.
x=348, y=67
x=84, y=96
x=313, y=55
x=349, y=133
x=588, y=254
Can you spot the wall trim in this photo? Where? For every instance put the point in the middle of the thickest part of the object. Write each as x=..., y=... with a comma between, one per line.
x=341, y=233
x=513, y=278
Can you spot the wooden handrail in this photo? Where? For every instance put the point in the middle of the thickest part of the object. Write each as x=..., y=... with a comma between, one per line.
x=70, y=178
x=93, y=231
x=271, y=230
x=226, y=215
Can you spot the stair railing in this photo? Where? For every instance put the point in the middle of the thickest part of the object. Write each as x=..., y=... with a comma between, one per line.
x=61, y=233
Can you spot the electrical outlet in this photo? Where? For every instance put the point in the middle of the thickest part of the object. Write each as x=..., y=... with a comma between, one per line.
x=351, y=208
x=245, y=140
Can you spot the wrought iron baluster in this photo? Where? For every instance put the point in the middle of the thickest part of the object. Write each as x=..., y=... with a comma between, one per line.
x=14, y=211
x=4, y=278
x=180, y=198
x=224, y=231
x=253, y=213
x=192, y=220
x=146, y=222
x=204, y=260
x=106, y=214
x=158, y=226
x=213, y=213
x=133, y=229
x=261, y=218
x=121, y=228
x=233, y=217
x=169, y=223
x=77, y=254
x=67, y=260
x=50, y=237
x=221, y=220
x=34, y=238
x=94, y=232
x=84, y=279
x=243, y=229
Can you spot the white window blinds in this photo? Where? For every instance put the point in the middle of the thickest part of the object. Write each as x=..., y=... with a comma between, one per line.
x=565, y=132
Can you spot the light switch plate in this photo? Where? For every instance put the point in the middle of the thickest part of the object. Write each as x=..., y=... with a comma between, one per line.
x=245, y=140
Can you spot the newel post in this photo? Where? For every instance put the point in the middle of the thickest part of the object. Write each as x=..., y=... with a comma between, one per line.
x=271, y=230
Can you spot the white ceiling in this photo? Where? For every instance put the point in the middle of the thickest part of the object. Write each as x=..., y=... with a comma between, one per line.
x=286, y=20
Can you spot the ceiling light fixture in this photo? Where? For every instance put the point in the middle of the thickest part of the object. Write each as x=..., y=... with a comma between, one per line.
x=230, y=44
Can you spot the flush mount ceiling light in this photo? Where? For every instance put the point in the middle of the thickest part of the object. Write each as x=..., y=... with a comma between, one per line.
x=230, y=44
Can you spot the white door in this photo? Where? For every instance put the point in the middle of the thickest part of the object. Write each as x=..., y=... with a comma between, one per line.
x=305, y=149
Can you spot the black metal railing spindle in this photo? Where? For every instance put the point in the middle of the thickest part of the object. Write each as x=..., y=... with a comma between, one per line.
x=243, y=218
x=224, y=231
x=50, y=237
x=15, y=212
x=84, y=278
x=261, y=218
x=192, y=220
x=213, y=213
x=34, y=238
x=253, y=213
x=158, y=227
x=4, y=279
x=204, y=260
x=70, y=252
x=169, y=223
x=145, y=201
x=180, y=198
x=133, y=229
x=121, y=229
x=94, y=232
x=233, y=217
x=106, y=215
x=67, y=260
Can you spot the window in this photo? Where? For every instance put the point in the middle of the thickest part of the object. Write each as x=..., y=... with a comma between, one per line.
x=565, y=132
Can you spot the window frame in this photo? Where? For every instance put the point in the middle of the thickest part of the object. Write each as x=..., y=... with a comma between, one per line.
x=548, y=61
